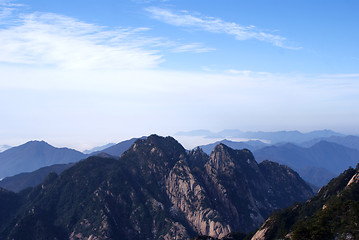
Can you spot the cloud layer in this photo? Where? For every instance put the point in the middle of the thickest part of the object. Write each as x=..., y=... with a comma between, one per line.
x=216, y=25
x=52, y=39
x=48, y=39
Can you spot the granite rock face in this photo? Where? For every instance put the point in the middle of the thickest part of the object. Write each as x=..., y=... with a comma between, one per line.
x=245, y=192
x=156, y=190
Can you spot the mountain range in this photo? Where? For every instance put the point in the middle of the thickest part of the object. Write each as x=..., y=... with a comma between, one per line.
x=347, y=141
x=310, y=159
x=155, y=190
x=34, y=155
x=316, y=164
x=317, y=161
x=271, y=137
x=98, y=149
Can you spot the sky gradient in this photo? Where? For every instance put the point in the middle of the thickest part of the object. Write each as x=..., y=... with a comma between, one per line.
x=85, y=73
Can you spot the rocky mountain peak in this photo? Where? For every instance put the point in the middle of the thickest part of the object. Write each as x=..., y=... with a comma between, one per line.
x=221, y=159
x=155, y=156
x=162, y=146
x=35, y=144
x=224, y=159
x=197, y=151
x=197, y=157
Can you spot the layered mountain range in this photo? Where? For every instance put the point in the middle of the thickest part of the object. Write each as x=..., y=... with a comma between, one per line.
x=316, y=164
x=155, y=190
x=271, y=137
x=317, y=161
x=28, y=164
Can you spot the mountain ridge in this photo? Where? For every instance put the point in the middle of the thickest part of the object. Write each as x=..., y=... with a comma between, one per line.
x=24, y=180
x=34, y=155
x=154, y=189
x=274, y=137
x=251, y=145
x=328, y=156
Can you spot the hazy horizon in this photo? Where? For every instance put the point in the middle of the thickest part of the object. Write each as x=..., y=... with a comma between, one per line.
x=188, y=142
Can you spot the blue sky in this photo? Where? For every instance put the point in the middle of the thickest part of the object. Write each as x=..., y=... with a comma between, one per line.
x=82, y=73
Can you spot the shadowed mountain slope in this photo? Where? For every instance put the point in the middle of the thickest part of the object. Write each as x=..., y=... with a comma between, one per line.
x=21, y=181
x=332, y=214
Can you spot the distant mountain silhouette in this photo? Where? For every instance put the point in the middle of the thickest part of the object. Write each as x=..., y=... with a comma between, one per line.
x=97, y=149
x=34, y=155
x=273, y=137
x=119, y=148
x=38, y=154
x=347, y=141
x=324, y=158
x=251, y=145
x=21, y=181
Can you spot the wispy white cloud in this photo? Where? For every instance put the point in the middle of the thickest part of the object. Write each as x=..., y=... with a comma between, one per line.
x=217, y=25
x=7, y=7
x=192, y=47
x=52, y=39
x=351, y=75
x=56, y=40
x=247, y=73
x=9, y=3
x=4, y=12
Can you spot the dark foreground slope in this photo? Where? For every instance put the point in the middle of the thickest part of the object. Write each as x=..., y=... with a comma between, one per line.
x=9, y=204
x=22, y=181
x=154, y=191
x=332, y=214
